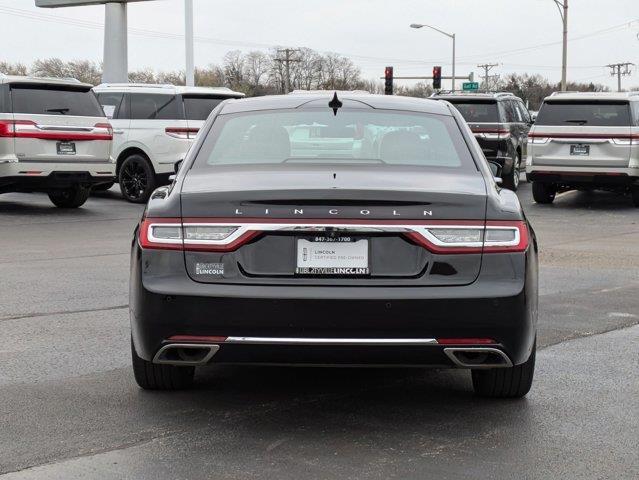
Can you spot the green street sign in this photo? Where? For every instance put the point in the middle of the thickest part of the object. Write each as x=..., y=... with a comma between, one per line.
x=470, y=86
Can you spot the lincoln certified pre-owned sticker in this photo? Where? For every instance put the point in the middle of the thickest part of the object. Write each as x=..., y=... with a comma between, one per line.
x=332, y=256
x=209, y=269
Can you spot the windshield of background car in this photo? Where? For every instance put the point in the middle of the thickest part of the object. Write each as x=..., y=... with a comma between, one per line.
x=199, y=107
x=55, y=100
x=590, y=113
x=352, y=136
x=477, y=111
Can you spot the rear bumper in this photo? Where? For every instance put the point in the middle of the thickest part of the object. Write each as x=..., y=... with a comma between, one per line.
x=37, y=176
x=494, y=307
x=52, y=181
x=590, y=176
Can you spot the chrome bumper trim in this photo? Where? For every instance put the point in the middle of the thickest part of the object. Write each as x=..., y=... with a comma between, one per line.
x=330, y=341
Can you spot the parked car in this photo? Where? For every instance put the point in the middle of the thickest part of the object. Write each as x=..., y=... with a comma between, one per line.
x=500, y=122
x=585, y=141
x=54, y=138
x=398, y=250
x=154, y=127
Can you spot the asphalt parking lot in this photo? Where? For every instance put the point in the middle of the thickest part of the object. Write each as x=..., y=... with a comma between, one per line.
x=69, y=407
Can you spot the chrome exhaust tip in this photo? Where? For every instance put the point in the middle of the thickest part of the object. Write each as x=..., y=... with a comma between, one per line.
x=478, y=357
x=185, y=354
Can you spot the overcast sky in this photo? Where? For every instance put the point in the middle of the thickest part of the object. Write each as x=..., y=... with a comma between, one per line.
x=373, y=33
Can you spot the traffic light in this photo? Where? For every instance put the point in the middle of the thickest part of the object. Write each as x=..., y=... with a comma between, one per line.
x=388, y=78
x=437, y=78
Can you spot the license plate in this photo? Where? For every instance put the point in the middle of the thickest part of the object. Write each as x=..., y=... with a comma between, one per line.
x=332, y=256
x=66, y=148
x=579, y=149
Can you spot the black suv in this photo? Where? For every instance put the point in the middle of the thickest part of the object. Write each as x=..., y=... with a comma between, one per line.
x=500, y=122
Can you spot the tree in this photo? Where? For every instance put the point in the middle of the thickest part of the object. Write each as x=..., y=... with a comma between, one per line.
x=143, y=76
x=13, y=68
x=234, y=70
x=83, y=70
x=211, y=76
x=421, y=90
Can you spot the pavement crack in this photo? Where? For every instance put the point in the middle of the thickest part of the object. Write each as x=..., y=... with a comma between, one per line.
x=63, y=312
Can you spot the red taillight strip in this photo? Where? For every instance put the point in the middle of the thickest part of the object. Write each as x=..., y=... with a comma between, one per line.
x=499, y=131
x=182, y=132
x=30, y=129
x=602, y=136
x=419, y=231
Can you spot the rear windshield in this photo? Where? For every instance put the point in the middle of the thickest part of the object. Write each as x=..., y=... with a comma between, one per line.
x=155, y=106
x=38, y=100
x=594, y=113
x=351, y=136
x=477, y=111
x=199, y=107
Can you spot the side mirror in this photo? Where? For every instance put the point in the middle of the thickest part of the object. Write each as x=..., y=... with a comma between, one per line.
x=494, y=168
x=176, y=169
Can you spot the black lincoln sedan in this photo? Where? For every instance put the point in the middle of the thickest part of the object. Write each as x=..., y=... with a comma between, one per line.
x=338, y=229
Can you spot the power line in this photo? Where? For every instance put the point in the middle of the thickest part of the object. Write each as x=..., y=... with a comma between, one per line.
x=218, y=41
x=620, y=69
x=487, y=67
x=287, y=60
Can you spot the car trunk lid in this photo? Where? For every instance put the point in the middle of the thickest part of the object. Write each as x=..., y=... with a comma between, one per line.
x=582, y=134
x=286, y=207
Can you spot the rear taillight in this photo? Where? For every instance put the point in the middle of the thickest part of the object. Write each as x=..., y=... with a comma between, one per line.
x=103, y=129
x=172, y=234
x=11, y=128
x=181, y=132
x=494, y=237
x=492, y=134
x=442, y=237
x=30, y=129
x=625, y=141
x=540, y=140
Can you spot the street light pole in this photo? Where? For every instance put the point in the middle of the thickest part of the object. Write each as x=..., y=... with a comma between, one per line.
x=453, y=62
x=190, y=56
x=449, y=35
x=563, y=12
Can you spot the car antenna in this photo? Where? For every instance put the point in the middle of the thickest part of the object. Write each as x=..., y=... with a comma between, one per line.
x=335, y=104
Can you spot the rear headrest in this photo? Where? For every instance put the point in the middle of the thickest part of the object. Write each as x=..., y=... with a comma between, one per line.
x=268, y=142
x=401, y=146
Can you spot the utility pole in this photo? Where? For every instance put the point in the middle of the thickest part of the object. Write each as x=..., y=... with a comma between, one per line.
x=562, y=5
x=287, y=60
x=620, y=69
x=487, y=67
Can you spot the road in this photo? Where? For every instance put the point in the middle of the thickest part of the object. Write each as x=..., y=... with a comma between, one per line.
x=69, y=407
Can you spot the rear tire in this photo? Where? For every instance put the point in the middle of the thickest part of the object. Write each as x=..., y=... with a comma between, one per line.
x=511, y=181
x=543, y=192
x=150, y=376
x=72, y=197
x=137, y=179
x=635, y=196
x=512, y=382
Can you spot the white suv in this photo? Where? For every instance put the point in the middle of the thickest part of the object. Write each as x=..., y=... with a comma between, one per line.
x=54, y=138
x=154, y=126
x=585, y=141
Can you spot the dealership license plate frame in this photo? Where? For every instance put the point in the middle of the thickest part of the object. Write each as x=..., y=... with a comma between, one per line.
x=350, y=256
x=66, y=148
x=580, y=150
